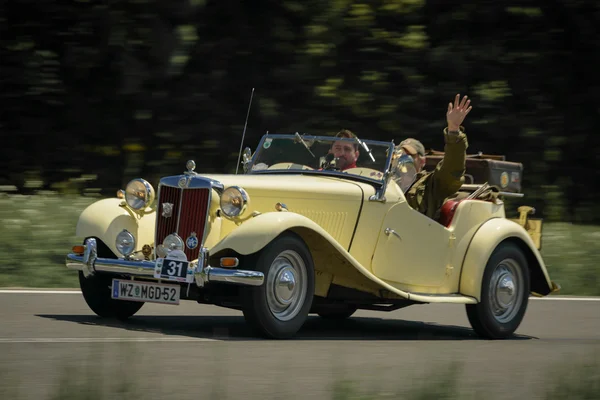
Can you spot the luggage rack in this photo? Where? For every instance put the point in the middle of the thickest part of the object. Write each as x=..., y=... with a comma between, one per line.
x=480, y=168
x=478, y=155
x=475, y=186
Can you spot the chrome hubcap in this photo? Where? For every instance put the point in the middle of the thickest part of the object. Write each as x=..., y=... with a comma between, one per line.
x=286, y=285
x=506, y=290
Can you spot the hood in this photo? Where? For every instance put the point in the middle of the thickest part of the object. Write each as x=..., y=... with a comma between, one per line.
x=332, y=203
x=322, y=187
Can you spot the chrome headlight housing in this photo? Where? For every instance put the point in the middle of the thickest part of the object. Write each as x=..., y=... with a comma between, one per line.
x=125, y=242
x=234, y=201
x=139, y=194
x=173, y=242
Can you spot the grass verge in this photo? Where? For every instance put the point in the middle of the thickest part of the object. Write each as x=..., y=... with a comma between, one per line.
x=36, y=232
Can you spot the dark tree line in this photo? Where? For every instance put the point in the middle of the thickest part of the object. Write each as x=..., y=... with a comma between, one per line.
x=96, y=93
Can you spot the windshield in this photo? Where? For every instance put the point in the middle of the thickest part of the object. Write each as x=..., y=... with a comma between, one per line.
x=322, y=155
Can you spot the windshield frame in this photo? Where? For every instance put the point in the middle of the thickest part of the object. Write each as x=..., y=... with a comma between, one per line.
x=294, y=137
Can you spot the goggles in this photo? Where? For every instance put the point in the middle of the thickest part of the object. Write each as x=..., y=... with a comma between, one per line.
x=405, y=171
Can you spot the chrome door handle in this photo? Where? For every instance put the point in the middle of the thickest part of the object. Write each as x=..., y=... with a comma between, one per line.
x=389, y=231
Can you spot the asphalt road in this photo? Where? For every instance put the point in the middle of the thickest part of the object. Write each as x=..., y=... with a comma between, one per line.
x=194, y=351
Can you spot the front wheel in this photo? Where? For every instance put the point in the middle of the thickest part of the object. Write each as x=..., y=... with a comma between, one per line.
x=96, y=291
x=504, y=294
x=279, y=307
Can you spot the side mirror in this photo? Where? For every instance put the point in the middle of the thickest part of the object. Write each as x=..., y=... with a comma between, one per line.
x=246, y=158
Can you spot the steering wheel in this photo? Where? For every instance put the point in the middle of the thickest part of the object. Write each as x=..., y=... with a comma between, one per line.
x=289, y=165
x=363, y=171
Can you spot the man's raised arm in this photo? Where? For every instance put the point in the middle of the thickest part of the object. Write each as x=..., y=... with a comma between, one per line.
x=448, y=176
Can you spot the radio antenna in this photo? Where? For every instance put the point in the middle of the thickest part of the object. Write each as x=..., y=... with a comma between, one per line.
x=244, y=133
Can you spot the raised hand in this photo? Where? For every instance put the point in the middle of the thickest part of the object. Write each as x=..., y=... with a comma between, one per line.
x=457, y=112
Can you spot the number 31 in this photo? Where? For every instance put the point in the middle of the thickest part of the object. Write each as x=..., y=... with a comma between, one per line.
x=174, y=266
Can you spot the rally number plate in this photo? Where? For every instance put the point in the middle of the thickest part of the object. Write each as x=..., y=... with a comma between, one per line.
x=145, y=292
x=174, y=270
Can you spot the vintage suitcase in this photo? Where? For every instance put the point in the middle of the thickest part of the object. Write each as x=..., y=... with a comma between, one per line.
x=481, y=168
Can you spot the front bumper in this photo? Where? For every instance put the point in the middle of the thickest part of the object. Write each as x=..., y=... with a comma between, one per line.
x=89, y=264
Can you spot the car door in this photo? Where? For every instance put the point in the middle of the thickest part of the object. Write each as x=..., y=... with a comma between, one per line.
x=413, y=250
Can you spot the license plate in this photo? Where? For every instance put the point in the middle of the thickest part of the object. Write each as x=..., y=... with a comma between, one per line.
x=174, y=270
x=145, y=292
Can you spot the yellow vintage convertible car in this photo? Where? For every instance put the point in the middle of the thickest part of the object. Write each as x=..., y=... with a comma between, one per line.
x=293, y=235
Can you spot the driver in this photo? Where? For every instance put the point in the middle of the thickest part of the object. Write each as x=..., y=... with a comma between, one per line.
x=346, y=152
x=426, y=191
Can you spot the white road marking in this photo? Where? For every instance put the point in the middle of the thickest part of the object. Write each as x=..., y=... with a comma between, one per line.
x=103, y=340
x=43, y=291
x=19, y=291
x=565, y=298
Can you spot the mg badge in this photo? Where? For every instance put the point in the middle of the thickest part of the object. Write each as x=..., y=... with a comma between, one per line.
x=192, y=241
x=182, y=182
x=167, y=210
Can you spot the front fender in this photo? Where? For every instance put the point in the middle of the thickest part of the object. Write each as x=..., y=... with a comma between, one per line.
x=333, y=263
x=263, y=229
x=486, y=239
x=105, y=218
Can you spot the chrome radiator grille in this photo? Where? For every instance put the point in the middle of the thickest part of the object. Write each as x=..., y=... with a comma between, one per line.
x=189, y=208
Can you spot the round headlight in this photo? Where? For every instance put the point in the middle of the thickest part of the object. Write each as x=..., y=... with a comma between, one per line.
x=139, y=194
x=173, y=242
x=161, y=251
x=125, y=242
x=234, y=201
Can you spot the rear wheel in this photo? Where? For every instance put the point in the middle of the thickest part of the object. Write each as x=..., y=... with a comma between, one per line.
x=279, y=307
x=97, y=291
x=504, y=294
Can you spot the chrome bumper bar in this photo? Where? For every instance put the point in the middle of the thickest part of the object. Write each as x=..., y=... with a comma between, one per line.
x=89, y=264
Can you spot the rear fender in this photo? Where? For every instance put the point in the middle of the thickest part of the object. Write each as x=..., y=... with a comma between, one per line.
x=486, y=239
x=105, y=218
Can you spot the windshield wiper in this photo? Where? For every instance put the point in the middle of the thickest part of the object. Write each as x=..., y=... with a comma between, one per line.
x=364, y=145
x=298, y=137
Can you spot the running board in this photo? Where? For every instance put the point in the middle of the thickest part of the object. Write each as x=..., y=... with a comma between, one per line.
x=442, y=298
x=452, y=298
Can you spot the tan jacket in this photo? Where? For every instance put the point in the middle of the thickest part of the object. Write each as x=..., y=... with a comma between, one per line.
x=432, y=188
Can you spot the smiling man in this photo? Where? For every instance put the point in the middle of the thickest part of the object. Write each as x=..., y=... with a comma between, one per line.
x=346, y=152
